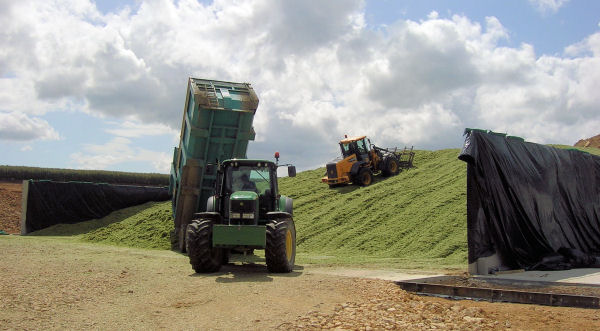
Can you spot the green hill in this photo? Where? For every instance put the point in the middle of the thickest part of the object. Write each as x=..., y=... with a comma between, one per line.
x=417, y=217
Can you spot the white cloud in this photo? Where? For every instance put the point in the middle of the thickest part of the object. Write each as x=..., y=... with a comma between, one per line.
x=26, y=148
x=319, y=72
x=136, y=129
x=548, y=5
x=117, y=151
x=16, y=126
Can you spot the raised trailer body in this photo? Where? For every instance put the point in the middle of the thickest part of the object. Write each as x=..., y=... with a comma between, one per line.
x=216, y=125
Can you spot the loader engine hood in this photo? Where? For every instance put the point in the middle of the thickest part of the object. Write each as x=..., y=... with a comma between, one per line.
x=243, y=208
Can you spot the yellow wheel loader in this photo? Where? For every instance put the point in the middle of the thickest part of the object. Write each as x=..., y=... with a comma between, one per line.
x=361, y=159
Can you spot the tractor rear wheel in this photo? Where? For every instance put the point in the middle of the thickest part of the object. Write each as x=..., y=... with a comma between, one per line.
x=198, y=241
x=391, y=167
x=280, y=251
x=364, y=177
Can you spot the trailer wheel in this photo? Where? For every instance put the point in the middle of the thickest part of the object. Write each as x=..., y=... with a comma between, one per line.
x=203, y=257
x=280, y=251
x=390, y=166
x=364, y=177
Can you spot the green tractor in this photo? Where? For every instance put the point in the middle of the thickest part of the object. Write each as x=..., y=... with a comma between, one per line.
x=246, y=213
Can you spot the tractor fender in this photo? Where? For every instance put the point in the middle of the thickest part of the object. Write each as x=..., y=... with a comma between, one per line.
x=215, y=217
x=278, y=214
x=356, y=167
x=286, y=204
x=211, y=203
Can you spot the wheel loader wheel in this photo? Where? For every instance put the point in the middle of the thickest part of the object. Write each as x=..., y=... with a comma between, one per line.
x=198, y=241
x=365, y=177
x=280, y=251
x=391, y=166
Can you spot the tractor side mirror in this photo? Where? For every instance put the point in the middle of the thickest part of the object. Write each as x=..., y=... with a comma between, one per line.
x=291, y=171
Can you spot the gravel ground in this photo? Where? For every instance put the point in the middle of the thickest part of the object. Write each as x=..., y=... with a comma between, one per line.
x=10, y=206
x=50, y=283
x=384, y=306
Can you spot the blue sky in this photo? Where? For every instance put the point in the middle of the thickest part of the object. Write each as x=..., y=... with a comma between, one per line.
x=548, y=31
x=102, y=86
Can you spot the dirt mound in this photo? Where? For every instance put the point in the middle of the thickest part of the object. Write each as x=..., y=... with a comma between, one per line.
x=10, y=206
x=589, y=142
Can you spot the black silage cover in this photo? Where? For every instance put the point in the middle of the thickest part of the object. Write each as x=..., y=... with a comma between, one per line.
x=526, y=201
x=50, y=203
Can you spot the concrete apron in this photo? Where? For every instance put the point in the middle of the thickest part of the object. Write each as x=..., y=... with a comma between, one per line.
x=585, y=276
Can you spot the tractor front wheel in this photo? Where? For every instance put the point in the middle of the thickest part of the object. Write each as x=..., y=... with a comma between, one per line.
x=391, y=167
x=364, y=177
x=280, y=251
x=198, y=241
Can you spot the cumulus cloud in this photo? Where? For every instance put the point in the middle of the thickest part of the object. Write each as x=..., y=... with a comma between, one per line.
x=548, y=5
x=118, y=151
x=20, y=127
x=319, y=72
x=136, y=129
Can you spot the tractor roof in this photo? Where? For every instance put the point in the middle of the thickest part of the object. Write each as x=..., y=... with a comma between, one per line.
x=349, y=140
x=248, y=162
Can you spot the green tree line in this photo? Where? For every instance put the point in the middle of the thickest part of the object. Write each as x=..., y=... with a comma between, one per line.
x=96, y=176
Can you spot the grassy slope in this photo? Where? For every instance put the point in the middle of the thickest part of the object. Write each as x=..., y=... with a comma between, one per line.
x=144, y=226
x=419, y=215
x=414, y=219
x=591, y=150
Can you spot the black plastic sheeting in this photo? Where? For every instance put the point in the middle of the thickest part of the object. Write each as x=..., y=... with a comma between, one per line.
x=536, y=206
x=50, y=203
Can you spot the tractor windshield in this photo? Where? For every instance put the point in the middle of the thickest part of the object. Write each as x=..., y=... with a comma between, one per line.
x=347, y=149
x=246, y=178
x=358, y=147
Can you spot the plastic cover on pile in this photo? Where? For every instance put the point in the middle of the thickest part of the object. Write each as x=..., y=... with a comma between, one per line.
x=49, y=203
x=535, y=206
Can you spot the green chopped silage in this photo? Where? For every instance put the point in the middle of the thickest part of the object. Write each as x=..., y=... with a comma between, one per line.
x=143, y=226
x=148, y=228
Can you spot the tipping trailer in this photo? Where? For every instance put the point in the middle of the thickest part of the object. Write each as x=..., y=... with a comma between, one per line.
x=216, y=126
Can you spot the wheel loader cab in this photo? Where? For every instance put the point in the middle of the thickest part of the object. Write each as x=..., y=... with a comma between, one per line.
x=357, y=146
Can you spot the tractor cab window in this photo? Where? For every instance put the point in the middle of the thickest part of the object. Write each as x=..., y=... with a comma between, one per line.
x=246, y=178
x=362, y=147
x=346, y=150
x=362, y=150
x=349, y=149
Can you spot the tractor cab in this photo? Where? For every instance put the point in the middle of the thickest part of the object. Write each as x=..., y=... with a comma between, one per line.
x=357, y=146
x=248, y=191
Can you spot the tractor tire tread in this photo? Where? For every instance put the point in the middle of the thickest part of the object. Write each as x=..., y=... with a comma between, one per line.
x=275, y=250
x=202, y=256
